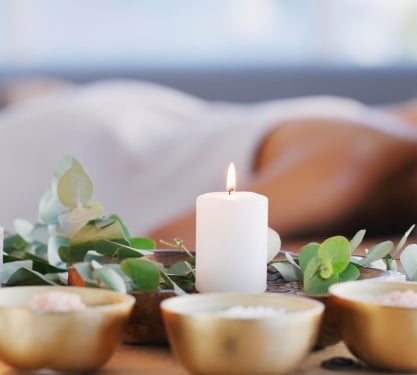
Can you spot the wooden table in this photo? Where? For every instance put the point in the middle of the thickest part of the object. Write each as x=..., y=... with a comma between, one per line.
x=158, y=360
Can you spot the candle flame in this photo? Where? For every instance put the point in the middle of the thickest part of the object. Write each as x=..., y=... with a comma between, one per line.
x=231, y=178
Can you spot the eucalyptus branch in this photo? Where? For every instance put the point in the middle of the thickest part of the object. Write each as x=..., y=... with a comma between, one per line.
x=179, y=244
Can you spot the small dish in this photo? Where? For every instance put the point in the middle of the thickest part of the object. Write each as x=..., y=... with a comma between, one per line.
x=383, y=336
x=207, y=342
x=70, y=341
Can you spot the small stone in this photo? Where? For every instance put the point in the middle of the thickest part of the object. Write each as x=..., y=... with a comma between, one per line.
x=341, y=364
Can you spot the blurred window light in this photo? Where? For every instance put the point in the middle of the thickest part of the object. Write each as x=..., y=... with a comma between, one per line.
x=187, y=33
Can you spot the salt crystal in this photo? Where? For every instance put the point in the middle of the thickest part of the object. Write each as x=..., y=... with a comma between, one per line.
x=56, y=301
x=407, y=298
x=251, y=312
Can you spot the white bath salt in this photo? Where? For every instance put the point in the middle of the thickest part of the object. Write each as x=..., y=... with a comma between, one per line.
x=407, y=298
x=56, y=301
x=251, y=312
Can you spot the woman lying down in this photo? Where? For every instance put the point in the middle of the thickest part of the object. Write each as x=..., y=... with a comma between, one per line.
x=328, y=165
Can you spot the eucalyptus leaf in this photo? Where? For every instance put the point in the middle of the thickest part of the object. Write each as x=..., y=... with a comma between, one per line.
x=41, y=265
x=180, y=269
x=78, y=217
x=171, y=284
x=357, y=240
x=40, y=250
x=116, y=268
x=291, y=260
x=14, y=243
x=145, y=275
x=274, y=244
x=316, y=286
x=66, y=163
x=91, y=233
x=50, y=208
x=126, y=233
x=109, y=279
x=74, y=187
x=288, y=271
x=312, y=269
x=336, y=251
x=351, y=272
x=313, y=283
x=107, y=247
x=86, y=272
x=11, y=258
x=142, y=243
x=408, y=260
x=307, y=253
x=403, y=240
x=26, y=276
x=55, y=243
x=378, y=251
x=326, y=268
x=119, y=250
x=94, y=255
x=11, y=267
x=40, y=233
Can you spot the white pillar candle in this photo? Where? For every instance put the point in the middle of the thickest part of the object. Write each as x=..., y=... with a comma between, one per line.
x=231, y=241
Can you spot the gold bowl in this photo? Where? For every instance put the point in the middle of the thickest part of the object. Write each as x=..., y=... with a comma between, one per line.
x=383, y=336
x=207, y=342
x=73, y=341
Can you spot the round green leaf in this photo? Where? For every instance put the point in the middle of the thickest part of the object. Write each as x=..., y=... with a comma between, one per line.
x=142, y=243
x=377, y=252
x=79, y=216
x=403, y=240
x=50, y=208
x=110, y=279
x=91, y=233
x=74, y=187
x=336, y=250
x=288, y=271
x=408, y=259
x=274, y=244
x=326, y=269
x=65, y=164
x=55, y=243
x=307, y=252
x=313, y=283
x=26, y=276
x=350, y=273
x=357, y=240
x=145, y=275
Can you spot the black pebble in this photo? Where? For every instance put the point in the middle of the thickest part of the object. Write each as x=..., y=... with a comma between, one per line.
x=341, y=364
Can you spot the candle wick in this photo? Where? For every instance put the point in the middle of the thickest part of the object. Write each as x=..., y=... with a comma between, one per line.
x=230, y=190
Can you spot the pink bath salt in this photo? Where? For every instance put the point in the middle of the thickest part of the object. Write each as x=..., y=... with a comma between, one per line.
x=407, y=298
x=56, y=301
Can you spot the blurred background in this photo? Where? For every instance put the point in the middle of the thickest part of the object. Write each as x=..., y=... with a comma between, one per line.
x=236, y=50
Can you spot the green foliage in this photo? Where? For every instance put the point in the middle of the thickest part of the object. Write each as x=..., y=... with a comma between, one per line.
x=323, y=263
x=74, y=231
x=144, y=274
x=409, y=261
x=320, y=265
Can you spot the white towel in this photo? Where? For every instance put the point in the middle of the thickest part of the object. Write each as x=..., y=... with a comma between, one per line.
x=150, y=150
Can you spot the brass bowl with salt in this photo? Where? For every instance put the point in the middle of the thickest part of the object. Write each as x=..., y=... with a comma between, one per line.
x=231, y=333
x=377, y=321
x=65, y=329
